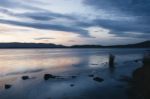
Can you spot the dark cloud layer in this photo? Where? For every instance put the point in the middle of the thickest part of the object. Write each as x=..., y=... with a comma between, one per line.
x=18, y=4
x=47, y=26
x=45, y=17
x=135, y=7
x=137, y=11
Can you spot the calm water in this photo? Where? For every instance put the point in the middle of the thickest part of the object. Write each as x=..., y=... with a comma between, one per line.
x=66, y=63
x=27, y=60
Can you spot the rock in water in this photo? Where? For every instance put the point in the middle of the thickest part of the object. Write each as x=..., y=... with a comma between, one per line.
x=91, y=75
x=73, y=76
x=111, y=61
x=25, y=77
x=7, y=86
x=48, y=76
x=98, y=79
x=72, y=85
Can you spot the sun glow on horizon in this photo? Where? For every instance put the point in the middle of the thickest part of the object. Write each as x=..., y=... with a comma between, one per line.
x=11, y=33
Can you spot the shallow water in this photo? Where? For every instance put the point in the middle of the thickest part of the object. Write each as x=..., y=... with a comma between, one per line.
x=29, y=60
x=65, y=63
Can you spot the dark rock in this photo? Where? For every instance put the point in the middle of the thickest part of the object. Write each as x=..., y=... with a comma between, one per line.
x=7, y=86
x=136, y=61
x=146, y=61
x=25, y=77
x=111, y=61
x=98, y=79
x=48, y=76
x=140, y=88
x=72, y=85
x=73, y=76
x=125, y=79
x=91, y=75
x=94, y=64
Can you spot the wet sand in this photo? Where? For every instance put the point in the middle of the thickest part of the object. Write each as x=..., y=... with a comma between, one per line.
x=71, y=84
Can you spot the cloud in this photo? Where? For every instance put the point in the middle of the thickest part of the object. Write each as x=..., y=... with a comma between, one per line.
x=71, y=41
x=137, y=11
x=123, y=18
x=20, y=4
x=121, y=27
x=38, y=16
x=135, y=7
x=43, y=38
x=45, y=15
x=47, y=26
x=44, y=19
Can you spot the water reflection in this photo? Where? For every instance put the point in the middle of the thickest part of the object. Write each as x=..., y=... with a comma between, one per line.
x=111, y=70
x=21, y=60
x=68, y=61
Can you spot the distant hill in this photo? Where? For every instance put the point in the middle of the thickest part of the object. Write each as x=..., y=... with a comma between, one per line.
x=29, y=45
x=86, y=46
x=145, y=44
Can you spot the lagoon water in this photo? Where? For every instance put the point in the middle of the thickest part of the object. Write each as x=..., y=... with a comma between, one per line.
x=65, y=62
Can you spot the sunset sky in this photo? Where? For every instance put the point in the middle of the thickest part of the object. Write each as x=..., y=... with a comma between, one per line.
x=69, y=22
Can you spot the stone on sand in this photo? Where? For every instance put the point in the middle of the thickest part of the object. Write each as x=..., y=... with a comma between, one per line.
x=7, y=86
x=48, y=76
x=25, y=77
x=98, y=79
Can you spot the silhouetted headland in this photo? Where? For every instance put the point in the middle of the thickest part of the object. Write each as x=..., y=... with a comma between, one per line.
x=30, y=45
x=140, y=88
x=145, y=44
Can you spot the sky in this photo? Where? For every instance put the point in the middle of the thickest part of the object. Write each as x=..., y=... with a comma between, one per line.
x=70, y=22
